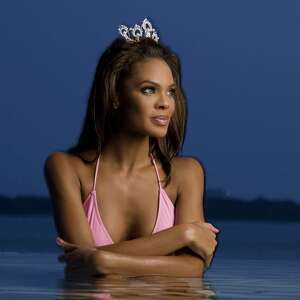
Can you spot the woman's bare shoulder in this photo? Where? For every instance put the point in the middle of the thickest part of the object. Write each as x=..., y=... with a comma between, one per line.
x=60, y=164
x=70, y=166
x=185, y=167
x=62, y=160
x=59, y=160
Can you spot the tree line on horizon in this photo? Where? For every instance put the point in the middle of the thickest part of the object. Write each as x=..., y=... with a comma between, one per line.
x=216, y=207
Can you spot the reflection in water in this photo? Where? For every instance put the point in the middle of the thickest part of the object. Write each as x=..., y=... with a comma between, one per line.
x=254, y=260
x=116, y=286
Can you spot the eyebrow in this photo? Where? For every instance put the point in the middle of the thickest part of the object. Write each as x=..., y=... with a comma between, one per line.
x=155, y=83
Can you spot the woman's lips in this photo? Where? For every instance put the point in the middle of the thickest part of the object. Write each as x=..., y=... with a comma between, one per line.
x=161, y=121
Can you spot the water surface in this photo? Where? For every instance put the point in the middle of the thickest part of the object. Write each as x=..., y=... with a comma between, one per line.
x=254, y=260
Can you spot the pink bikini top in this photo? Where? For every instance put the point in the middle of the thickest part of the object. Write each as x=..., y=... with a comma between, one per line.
x=165, y=217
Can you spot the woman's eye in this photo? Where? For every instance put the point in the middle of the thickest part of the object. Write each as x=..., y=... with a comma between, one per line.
x=147, y=88
x=173, y=92
x=150, y=90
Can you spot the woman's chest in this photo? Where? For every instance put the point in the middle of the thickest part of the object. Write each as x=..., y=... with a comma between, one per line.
x=130, y=209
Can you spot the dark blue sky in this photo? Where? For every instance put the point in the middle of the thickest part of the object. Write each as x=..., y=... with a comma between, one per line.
x=241, y=72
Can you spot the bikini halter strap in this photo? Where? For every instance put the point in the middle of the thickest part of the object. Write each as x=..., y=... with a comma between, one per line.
x=156, y=170
x=96, y=173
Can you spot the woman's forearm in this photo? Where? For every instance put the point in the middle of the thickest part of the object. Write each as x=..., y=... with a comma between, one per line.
x=178, y=266
x=161, y=243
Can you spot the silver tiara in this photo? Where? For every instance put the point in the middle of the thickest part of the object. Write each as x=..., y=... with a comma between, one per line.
x=134, y=34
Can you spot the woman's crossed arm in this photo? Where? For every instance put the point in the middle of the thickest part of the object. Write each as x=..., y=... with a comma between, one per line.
x=64, y=189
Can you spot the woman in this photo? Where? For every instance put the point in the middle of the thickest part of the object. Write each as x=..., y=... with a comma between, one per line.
x=133, y=130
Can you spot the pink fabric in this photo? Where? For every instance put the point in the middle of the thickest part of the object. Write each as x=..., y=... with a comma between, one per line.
x=164, y=219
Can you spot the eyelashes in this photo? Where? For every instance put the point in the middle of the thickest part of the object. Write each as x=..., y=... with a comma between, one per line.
x=173, y=91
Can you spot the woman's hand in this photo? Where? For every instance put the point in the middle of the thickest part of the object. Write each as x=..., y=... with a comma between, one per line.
x=80, y=260
x=202, y=240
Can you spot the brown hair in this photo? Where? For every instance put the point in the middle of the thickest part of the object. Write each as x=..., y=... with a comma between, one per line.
x=101, y=120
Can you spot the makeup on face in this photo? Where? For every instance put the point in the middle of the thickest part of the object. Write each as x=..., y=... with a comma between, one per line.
x=160, y=120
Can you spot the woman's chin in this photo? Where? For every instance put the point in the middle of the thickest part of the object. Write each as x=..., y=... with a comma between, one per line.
x=159, y=133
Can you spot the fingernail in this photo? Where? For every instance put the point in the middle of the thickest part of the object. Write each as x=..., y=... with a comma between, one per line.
x=59, y=241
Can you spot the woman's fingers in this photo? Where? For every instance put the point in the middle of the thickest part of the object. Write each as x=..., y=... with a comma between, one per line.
x=213, y=228
x=65, y=245
x=208, y=225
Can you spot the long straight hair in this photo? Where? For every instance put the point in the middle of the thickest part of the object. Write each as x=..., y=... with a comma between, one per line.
x=101, y=120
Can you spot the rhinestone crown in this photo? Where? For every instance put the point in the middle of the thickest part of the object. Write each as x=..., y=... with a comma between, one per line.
x=134, y=34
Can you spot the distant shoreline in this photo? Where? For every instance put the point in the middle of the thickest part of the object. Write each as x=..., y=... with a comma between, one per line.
x=216, y=207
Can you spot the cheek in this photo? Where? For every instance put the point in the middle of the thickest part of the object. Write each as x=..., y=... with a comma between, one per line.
x=143, y=109
x=137, y=115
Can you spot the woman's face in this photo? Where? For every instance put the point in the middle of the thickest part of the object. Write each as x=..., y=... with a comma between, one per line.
x=148, y=94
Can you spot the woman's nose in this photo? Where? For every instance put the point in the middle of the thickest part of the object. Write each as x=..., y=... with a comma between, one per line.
x=164, y=101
